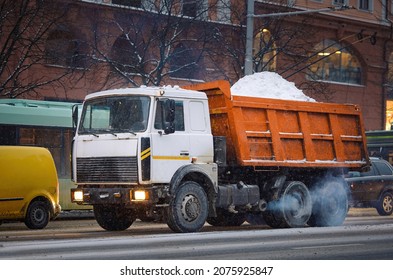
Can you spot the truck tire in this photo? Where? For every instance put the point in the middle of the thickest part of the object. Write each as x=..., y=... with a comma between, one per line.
x=226, y=219
x=330, y=203
x=188, y=210
x=38, y=215
x=113, y=218
x=292, y=209
x=385, y=204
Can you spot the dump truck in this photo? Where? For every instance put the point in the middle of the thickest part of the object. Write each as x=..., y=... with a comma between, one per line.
x=198, y=154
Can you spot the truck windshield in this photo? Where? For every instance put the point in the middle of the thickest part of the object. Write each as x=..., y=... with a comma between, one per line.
x=115, y=114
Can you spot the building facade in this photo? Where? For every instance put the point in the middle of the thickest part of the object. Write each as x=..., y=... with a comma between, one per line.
x=342, y=56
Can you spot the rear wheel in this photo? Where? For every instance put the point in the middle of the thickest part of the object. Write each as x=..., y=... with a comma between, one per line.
x=385, y=204
x=292, y=209
x=38, y=215
x=188, y=210
x=330, y=203
x=114, y=218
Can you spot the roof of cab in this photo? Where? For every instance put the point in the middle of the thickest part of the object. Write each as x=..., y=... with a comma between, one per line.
x=166, y=91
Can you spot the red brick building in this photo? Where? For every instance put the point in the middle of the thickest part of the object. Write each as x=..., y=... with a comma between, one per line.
x=337, y=56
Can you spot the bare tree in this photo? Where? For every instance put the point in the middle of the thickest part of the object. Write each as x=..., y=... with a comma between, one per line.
x=24, y=26
x=149, y=45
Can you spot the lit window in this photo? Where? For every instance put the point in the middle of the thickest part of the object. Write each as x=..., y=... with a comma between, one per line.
x=333, y=62
x=264, y=52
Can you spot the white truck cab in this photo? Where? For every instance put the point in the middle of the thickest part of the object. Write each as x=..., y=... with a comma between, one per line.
x=129, y=144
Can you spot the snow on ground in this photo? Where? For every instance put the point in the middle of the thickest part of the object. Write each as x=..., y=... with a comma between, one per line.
x=268, y=85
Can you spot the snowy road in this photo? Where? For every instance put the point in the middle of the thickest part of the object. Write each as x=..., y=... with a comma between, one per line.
x=369, y=237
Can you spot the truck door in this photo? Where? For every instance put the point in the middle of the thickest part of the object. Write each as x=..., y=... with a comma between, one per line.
x=169, y=151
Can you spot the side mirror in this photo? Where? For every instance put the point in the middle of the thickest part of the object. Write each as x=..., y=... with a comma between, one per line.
x=168, y=119
x=75, y=115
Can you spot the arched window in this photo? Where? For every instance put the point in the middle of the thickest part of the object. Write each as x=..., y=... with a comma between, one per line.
x=334, y=62
x=183, y=63
x=125, y=57
x=64, y=49
x=264, y=52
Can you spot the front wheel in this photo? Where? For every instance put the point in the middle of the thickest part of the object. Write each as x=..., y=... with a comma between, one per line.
x=188, y=209
x=385, y=204
x=38, y=215
x=114, y=218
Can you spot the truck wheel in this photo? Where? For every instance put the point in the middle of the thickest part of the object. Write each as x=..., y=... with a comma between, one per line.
x=292, y=209
x=188, y=210
x=113, y=218
x=226, y=219
x=38, y=215
x=330, y=204
x=385, y=204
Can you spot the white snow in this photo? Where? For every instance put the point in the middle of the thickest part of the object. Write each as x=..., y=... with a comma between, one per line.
x=268, y=85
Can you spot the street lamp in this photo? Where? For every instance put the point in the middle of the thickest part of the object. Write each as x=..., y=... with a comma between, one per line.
x=250, y=28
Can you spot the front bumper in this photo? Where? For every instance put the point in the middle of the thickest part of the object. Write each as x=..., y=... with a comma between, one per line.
x=116, y=195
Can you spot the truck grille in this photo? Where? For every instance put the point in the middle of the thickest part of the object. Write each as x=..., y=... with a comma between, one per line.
x=107, y=169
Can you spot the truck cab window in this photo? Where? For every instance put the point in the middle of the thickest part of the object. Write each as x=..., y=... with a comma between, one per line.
x=115, y=114
x=179, y=116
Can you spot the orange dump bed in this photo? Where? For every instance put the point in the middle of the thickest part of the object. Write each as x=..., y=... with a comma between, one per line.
x=265, y=132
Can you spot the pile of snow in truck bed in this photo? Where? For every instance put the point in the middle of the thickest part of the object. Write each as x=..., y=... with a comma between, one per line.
x=268, y=85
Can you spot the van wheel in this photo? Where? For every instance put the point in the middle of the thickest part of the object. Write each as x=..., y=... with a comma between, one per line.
x=114, y=218
x=385, y=204
x=38, y=215
x=188, y=210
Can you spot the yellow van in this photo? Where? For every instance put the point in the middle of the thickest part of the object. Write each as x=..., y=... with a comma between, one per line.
x=29, y=188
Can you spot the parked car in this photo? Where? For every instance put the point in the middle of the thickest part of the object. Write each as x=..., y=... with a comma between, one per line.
x=373, y=188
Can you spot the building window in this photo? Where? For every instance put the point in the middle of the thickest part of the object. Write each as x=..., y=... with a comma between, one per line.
x=334, y=62
x=125, y=56
x=224, y=10
x=389, y=102
x=190, y=8
x=130, y=3
x=264, y=52
x=340, y=2
x=182, y=63
x=63, y=49
x=365, y=5
x=390, y=70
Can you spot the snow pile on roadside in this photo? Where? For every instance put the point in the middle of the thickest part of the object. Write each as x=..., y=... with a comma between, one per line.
x=268, y=85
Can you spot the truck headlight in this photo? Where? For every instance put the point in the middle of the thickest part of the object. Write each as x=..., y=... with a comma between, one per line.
x=76, y=195
x=140, y=195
